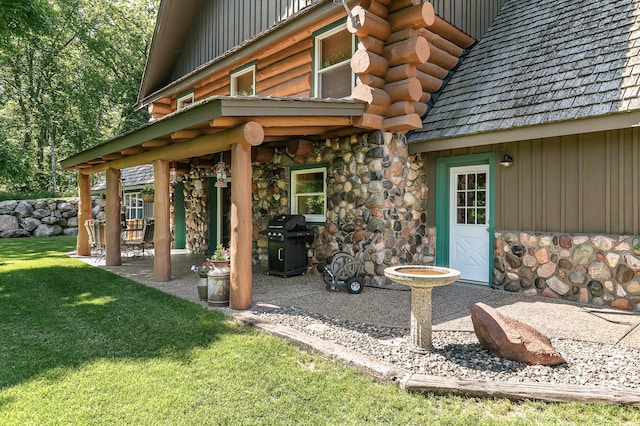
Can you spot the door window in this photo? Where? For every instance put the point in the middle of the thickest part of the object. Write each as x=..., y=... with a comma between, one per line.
x=471, y=199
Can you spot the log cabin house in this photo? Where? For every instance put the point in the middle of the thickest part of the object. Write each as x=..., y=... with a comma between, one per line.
x=394, y=115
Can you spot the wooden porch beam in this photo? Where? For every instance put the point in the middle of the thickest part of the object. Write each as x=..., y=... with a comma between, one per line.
x=156, y=143
x=303, y=121
x=294, y=131
x=251, y=133
x=185, y=134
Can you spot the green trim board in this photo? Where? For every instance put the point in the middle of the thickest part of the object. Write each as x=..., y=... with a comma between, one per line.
x=180, y=223
x=443, y=166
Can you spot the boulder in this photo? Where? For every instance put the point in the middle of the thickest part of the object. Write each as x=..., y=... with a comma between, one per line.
x=29, y=223
x=45, y=230
x=511, y=338
x=8, y=205
x=15, y=233
x=8, y=223
x=23, y=209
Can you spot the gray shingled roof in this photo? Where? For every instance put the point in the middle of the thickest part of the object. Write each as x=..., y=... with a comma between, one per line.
x=132, y=177
x=543, y=61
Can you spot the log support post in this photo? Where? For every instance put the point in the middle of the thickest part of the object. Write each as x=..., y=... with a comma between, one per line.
x=83, y=247
x=241, y=215
x=162, y=226
x=113, y=257
x=241, y=227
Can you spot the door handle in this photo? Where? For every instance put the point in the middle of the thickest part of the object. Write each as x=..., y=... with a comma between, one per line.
x=280, y=250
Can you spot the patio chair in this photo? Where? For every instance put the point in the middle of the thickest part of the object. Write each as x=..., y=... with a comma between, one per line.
x=137, y=239
x=96, y=232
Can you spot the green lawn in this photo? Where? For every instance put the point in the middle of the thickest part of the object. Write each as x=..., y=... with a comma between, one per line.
x=79, y=345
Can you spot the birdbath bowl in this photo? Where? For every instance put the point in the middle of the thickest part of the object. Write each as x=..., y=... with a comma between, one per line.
x=421, y=279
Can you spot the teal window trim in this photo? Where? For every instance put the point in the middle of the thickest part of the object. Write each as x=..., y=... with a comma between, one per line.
x=253, y=65
x=443, y=202
x=314, y=58
x=310, y=167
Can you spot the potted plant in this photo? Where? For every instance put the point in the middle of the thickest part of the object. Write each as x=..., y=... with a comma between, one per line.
x=146, y=194
x=202, y=271
x=218, y=277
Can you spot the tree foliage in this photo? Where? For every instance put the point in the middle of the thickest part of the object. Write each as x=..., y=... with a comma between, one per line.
x=68, y=82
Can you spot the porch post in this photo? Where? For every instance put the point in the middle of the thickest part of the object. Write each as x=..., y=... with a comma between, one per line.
x=112, y=257
x=84, y=213
x=162, y=226
x=241, y=227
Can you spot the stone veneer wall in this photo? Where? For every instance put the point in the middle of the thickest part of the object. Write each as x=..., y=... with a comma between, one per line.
x=372, y=184
x=196, y=201
x=591, y=269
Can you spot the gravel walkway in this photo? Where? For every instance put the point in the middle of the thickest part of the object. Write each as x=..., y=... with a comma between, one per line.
x=458, y=354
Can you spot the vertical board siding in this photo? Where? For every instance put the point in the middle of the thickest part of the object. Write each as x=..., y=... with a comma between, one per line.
x=572, y=184
x=222, y=25
x=471, y=16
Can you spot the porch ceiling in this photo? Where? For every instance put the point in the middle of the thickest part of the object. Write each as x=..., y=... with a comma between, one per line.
x=281, y=118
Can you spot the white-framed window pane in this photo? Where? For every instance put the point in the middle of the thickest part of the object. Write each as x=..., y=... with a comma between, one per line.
x=185, y=101
x=308, y=193
x=335, y=48
x=333, y=51
x=242, y=82
x=134, y=205
x=336, y=83
x=311, y=204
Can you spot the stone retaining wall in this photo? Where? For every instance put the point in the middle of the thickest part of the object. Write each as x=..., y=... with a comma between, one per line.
x=591, y=269
x=42, y=218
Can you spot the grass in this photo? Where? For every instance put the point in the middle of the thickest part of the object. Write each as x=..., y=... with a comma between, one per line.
x=79, y=345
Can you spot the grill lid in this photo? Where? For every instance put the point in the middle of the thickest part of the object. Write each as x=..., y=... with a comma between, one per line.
x=288, y=222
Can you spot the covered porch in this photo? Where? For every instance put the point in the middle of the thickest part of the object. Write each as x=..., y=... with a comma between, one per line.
x=193, y=136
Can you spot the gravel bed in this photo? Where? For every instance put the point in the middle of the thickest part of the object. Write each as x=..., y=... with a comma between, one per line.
x=459, y=354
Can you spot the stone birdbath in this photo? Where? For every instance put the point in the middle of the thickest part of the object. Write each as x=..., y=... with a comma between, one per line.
x=421, y=279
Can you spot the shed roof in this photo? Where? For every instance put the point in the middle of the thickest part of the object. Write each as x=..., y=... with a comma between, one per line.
x=541, y=62
x=131, y=177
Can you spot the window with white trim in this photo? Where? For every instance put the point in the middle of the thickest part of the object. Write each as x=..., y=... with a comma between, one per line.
x=243, y=82
x=185, y=100
x=134, y=205
x=308, y=193
x=333, y=50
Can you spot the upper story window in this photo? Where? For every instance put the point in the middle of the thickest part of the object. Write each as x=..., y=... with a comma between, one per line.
x=185, y=100
x=243, y=81
x=333, y=48
x=308, y=193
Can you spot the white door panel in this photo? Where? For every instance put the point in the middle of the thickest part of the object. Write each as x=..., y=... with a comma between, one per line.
x=469, y=222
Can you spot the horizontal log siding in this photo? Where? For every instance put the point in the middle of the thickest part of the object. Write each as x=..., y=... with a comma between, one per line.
x=587, y=183
x=471, y=16
x=284, y=70
x=223, y=25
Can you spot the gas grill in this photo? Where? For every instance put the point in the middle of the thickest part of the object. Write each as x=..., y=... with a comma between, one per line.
x=287, y=235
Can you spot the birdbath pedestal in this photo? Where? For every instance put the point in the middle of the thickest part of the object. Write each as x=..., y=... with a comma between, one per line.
x=421, y=279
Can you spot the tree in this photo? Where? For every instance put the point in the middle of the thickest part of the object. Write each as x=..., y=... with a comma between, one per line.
x=70, y=85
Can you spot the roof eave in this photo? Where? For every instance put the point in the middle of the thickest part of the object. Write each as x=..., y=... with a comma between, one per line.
x=621, y=120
